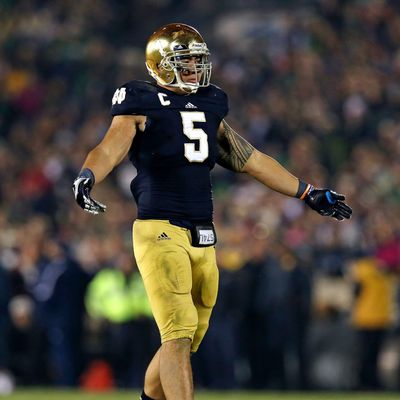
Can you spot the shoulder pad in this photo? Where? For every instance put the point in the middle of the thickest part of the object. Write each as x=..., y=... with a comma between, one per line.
x=144, y=86
x=218, y=97
x=217, y=90
x=129, y=98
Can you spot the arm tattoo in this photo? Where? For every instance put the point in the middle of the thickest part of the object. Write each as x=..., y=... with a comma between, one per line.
x=233, y=150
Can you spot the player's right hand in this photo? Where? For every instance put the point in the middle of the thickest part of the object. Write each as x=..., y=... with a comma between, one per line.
x=81, y=187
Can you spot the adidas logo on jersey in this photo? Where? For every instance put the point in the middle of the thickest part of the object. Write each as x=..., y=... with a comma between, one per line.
x=163, y=236
x=190, y=105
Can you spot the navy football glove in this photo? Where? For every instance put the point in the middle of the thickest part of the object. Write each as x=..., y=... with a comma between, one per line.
x=328, y=203
x=81, y=187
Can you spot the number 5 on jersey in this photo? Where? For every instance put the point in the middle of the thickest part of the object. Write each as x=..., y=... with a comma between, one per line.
x=188, y=120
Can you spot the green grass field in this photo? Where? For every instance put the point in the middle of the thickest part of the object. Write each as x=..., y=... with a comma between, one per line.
x=43, y=394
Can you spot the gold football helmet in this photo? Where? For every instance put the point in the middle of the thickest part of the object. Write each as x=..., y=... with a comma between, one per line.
x=171, y=50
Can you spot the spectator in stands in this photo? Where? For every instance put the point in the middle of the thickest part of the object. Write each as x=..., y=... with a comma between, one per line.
x=5, y=295
x=372, y=316
x=117, y=296
x=27, y=344
x=59, y=292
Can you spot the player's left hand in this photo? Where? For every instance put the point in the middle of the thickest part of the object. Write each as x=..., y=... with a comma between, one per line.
x=81, y=187
x=328, y=203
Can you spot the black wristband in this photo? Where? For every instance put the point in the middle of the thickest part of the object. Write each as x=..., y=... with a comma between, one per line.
x=303, y=189
x=87, y=173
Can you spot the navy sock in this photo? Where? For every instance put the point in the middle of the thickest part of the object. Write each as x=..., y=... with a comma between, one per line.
x=144, y=396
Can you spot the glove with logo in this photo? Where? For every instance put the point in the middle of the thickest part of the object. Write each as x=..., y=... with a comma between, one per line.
x=328, y=203
x=81, y=187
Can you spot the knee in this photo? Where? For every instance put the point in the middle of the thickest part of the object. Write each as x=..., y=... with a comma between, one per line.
x=183, y=325
x=181, y=345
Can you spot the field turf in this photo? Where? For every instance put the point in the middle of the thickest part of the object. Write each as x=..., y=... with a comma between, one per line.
x=44, y=394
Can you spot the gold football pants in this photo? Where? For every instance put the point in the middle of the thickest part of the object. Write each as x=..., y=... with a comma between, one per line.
x=181, y=280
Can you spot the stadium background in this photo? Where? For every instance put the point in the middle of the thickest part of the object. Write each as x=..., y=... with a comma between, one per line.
x=315, y=84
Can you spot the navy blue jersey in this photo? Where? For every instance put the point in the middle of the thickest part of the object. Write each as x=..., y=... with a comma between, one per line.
x=177, y=150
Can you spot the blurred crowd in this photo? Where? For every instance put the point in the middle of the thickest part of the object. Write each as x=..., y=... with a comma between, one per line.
x=305, y=302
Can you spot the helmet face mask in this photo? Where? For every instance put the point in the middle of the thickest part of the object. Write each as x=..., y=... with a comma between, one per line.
x=175, y=50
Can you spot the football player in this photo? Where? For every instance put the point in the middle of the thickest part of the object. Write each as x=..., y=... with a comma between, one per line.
x=174, y=131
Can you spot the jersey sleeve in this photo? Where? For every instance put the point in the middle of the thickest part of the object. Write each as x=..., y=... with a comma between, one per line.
x=127, y=101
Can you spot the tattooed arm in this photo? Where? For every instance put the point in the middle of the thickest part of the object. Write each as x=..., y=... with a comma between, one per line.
x=233, y=150
x=236, y=154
